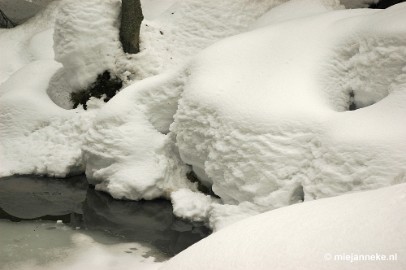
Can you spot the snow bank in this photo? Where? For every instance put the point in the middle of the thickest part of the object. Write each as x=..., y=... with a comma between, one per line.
x=295, y=9
x=128, y=153
x=192, y=205
x=312, y=235
x=25, y=43
x=86, y=39
x=152, y=9
x=264, y=115
x=37, y=136
x=261, y=117
x=186, y=28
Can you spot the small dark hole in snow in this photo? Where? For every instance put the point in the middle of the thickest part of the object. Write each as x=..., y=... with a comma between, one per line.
x=192, y=177
x=297, y=195
x=352, y=106
x=161, y=32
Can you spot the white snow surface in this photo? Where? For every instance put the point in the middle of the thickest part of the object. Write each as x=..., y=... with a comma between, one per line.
x=192, y=205
x=311, y=235
x=295, y=9
x=265, y=114
x=127, y=151
x=255, y=100
x=37, y=136
x=152, y=9
x=86, y=39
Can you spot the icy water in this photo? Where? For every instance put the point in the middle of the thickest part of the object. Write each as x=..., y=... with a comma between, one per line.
x=39, y=217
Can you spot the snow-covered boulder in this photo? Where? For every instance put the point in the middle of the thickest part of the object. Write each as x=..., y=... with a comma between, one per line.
x=264, y=116
x=128, y=151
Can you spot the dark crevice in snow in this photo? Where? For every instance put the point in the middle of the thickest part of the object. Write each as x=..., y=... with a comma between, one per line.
x=200, y=186
x=297, y=195
x=352, y=106
x=386, y=3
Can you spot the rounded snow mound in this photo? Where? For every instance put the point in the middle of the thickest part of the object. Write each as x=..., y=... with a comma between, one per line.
x=264, y=116
x=325, y=234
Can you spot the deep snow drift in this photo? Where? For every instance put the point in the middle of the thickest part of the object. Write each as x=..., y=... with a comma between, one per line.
x=313, y=235
x=262, y=117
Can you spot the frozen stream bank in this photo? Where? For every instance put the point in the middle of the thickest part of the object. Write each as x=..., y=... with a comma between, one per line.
x=41, y=217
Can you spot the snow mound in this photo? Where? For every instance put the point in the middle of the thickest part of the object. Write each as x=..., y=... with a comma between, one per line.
x=312, y=235
x=264, y=115
x=25, y=43
x=127, y=151
x=295, y=9
x=191, y=205
x=126, y=154
x=187, y=27
x=86, y=39
x=38, y=137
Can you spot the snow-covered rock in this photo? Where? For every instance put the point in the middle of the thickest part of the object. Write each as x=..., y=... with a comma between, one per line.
x=352, y=231
x=264, y=115
x=128, y=152
x=86, y=39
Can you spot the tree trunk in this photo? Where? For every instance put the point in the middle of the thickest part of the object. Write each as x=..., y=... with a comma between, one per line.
x=131, y=18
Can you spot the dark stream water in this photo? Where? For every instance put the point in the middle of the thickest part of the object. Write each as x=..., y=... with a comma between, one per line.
x=81, y=207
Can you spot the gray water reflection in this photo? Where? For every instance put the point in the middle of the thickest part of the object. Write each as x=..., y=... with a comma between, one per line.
x=70, y=200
